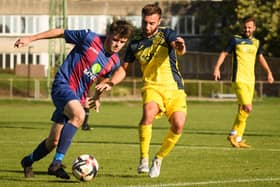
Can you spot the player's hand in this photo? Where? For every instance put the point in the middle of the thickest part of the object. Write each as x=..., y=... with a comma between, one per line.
x=94, y=104
x=104, y=86
x=22, y=42
x=270, y=78
x=217, y=74
x=180, y=44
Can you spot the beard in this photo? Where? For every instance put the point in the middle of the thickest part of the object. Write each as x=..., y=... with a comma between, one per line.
x=150, y=33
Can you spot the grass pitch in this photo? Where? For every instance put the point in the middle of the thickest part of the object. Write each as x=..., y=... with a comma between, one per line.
x=202, y=157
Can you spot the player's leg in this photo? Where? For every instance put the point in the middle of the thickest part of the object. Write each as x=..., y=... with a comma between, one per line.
x=176, y=113
x=75, y=113
x=152, y=108
x=145, y=134
x=244, y=94
x=43, y=149
x=85, y=125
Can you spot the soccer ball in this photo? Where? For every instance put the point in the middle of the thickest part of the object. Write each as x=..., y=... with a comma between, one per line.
x=85, y=167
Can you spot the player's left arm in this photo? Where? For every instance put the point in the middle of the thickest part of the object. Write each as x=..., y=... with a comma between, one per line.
x=94, y=102
x=265, y=66
x=179, y=45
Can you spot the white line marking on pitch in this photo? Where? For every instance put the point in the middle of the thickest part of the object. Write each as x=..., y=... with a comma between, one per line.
x=177, y=147
x=209, y=182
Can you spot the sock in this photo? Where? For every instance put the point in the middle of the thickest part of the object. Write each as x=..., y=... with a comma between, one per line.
x=233, y=132
x=86, y=116
x=238, y=138
x=145, y=135
x=40, y=152
x=168, y=143
x=240, y=122
x=65, y=141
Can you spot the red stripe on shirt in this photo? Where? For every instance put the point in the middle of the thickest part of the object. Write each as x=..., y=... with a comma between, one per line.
x=85, y=62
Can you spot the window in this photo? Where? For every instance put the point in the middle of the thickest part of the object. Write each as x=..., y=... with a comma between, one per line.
x=184, y=25
x=8, y=61
x=1, y=61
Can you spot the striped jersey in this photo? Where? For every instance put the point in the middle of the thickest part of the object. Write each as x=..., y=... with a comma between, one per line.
x=158, y=59
x=85, y=63
x=244, y=51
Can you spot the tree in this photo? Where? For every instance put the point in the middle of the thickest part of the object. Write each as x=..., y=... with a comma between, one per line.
x=267, y=14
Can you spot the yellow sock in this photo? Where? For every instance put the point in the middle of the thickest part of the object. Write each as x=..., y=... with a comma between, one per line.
x=145, y=135
x=168, y=143
x=240, y=122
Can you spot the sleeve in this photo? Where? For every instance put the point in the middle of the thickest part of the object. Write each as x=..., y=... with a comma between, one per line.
x=75, y=36
x=230, y=46
x=260, y=49
x=129, y=54
x=170, y=35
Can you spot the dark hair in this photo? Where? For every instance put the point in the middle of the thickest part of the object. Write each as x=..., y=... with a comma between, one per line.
x=249, y=18
x=150, y=9
x=122, y=28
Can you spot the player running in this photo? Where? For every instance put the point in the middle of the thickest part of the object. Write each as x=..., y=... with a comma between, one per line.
x=89, y=60
x=163, y=92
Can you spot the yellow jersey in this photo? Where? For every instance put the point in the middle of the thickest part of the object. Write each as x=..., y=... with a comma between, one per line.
x=244, y=51
x=159, y=64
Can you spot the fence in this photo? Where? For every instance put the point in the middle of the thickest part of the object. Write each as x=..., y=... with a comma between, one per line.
x=131, y=89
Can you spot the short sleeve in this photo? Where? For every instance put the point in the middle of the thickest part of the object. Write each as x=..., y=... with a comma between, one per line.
x=230, y=46
x=129, y=54
x=75, y=36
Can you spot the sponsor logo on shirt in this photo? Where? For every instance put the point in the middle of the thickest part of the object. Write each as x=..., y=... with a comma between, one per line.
x=92, y=73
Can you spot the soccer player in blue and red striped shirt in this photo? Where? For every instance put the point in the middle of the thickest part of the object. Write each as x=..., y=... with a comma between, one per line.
x=90, y=61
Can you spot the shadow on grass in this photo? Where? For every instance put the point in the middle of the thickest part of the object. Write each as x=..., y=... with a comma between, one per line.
x=24, y=124
x=37, y=173
x=201, y=132
x=121, y=175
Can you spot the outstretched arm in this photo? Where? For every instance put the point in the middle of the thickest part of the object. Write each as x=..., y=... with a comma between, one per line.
x=220, y=61
x=53, y=33
x=265, y=66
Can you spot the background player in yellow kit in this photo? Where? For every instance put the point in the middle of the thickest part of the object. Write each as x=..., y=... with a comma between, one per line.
x=156, y=50
x=244, y=48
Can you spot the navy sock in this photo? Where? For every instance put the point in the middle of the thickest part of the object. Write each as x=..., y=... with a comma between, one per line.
x=86, y=116
x=65, y=141
x=40, y=152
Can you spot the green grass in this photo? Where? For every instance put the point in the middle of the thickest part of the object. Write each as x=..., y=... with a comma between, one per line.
x=202, y=157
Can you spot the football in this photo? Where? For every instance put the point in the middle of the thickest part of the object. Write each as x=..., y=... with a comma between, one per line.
x=85, y=167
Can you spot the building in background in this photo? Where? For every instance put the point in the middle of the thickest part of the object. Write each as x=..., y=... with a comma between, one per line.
x=25, y=17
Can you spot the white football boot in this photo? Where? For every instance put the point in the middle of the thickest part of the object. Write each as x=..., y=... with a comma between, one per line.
x=143, y=165
x=155, y=169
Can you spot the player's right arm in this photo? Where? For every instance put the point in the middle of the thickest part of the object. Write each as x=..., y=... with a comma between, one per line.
x=220, y=61
x=116, y=78
x=265, y=66
x=52, y=33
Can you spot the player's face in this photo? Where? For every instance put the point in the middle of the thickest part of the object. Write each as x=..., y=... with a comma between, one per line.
x=114, y=43
x=249, y=28
x=150, y=25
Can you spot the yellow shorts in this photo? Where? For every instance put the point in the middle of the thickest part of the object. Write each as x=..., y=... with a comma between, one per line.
x=244, y=92
x=169, y=101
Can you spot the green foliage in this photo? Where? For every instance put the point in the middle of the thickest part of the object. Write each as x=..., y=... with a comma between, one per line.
x=267, y=14
x=219, y=20
x=202, y=157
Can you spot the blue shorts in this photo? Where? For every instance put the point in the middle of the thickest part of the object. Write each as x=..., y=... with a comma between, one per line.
x=61, y=95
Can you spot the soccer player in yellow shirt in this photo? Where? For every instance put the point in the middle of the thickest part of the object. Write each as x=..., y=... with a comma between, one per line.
x=244, y=48
x=156, y=50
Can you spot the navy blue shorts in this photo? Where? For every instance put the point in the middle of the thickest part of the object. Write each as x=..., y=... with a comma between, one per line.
x=61, y=95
